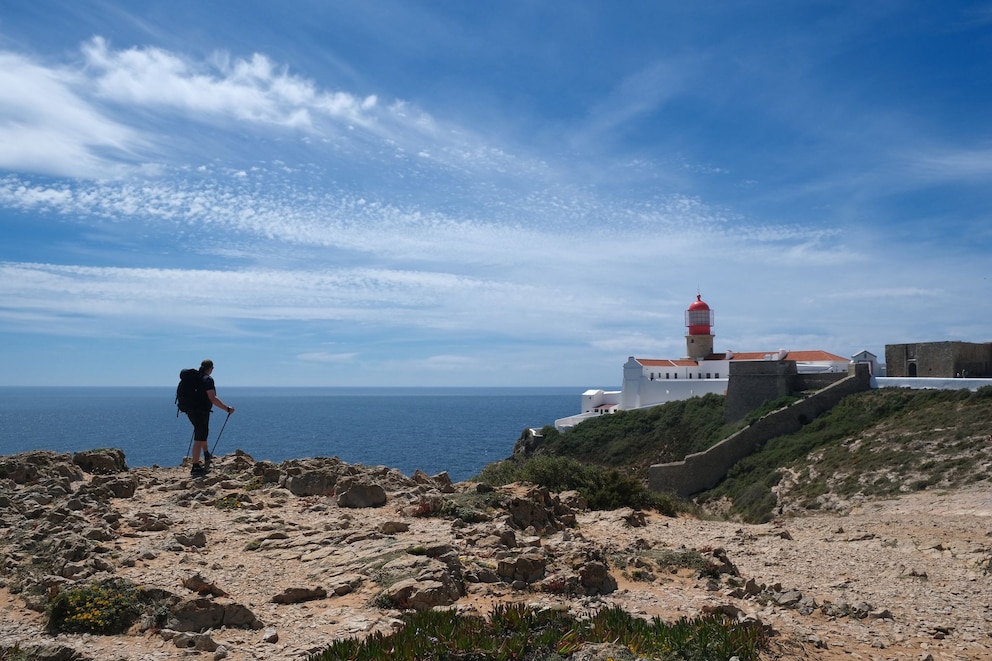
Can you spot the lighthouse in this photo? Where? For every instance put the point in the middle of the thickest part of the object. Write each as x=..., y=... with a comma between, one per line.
x=654, y=381
x=699, y=321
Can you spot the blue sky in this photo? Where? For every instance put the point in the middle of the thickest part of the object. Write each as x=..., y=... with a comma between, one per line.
x=481, y=193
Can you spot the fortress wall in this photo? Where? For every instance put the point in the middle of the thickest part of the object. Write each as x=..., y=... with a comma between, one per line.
x=704, y=470
x=754, y=382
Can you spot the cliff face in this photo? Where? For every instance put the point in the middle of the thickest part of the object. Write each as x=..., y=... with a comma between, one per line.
x=274, y=561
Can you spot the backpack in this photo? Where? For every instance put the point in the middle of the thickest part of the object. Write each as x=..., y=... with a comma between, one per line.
x=189, y=392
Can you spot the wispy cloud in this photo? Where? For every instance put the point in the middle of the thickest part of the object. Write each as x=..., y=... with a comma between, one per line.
x=326, y=357
x=94, y=121
x=48, y=127
x=971, y=165
x=253, y=89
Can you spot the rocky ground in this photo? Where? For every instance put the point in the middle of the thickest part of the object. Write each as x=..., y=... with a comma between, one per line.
x=274, y=561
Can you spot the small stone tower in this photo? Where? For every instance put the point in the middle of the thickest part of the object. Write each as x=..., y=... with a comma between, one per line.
x=699, y=320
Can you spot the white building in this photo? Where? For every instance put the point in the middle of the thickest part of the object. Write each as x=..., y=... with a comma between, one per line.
x=652, y=381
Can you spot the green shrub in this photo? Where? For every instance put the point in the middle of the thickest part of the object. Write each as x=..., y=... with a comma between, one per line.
x=255, y=483
x=232, y=501
x=768, y=407
x=14, y=653
x=470, y=507
x=106, y=608
x=516, y=631
x=602, y=488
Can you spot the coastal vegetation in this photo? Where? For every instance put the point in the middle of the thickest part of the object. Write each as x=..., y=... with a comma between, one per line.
x=517, y=631
x=874, y=444
x=633, y=440
x=105, y=608
x=603, y=488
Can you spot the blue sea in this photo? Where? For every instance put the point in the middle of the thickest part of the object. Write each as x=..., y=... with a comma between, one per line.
x=458, y=430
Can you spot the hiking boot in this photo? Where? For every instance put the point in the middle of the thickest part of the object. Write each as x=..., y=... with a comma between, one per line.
x=197, y=470
x=207, y=457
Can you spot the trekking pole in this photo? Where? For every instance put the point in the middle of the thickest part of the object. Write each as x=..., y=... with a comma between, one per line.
x=190, y=448
x=217, y=440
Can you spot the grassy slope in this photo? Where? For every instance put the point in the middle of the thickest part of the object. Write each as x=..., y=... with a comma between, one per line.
x=633, y=440
x=874, y=444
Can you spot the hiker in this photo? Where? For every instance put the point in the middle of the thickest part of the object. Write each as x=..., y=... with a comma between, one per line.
x=199, y=415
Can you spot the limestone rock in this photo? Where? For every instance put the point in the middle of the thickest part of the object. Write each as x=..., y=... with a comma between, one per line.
x=526, y=567
x=312, y=483
x=34, y=466
x=539, y=511
x=299, y=595
x=596, y=578
x=119, y=486
x=196, y=538
x=200, y=642
x=421, y=595
x=202, y=586
x=51, y=652
x=101, y=462
x=360, y=494
x=200, y=614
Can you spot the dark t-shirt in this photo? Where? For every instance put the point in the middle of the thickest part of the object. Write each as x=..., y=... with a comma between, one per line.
x=208, y=384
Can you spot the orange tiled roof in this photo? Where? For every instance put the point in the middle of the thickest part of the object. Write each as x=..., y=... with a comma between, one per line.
x=811, y=356
x=798, y=356
x=664, y=362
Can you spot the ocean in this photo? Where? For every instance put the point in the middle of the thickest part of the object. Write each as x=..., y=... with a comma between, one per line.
x=458, y=430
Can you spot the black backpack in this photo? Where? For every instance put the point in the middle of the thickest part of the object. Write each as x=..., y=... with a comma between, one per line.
x=189, y=392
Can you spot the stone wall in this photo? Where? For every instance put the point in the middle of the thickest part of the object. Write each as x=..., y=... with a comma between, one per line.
x=754, y=382
x=939, y=359
x=704, y=470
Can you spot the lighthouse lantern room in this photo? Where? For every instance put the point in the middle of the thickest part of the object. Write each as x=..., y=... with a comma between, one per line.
x=699, y=321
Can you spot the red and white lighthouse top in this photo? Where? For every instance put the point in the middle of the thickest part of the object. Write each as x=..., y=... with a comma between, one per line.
x=699, y=317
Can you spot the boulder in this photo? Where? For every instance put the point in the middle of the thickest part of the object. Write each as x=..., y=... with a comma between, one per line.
x=596, y=578
x=541, y=511
x=421, y=595
x=197, y=539
x=105, y=461
x=200, y=642
x=526, y=567
x=150, y=521
x=202, y=586
x=201, y=614
x=50, y=652
x=299, y=595
x=119, y=486
x=29, y=467
x=360, y=494
x=312, y=483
